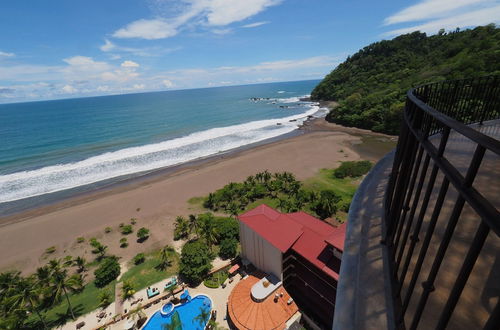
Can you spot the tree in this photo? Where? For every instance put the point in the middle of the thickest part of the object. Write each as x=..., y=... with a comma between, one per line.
x=181, y=228
x=104, y=298
x=195, y=262
x=64, y=283
x=142, y=234
x=80, y=263
x=101, y=250
x=207, y=228
x=28, y=296
x=165, y=257
x=127, y=289
x=226, y=228
x=327, y=204
x=107, y=272
x=228, y=248
x=193, y=225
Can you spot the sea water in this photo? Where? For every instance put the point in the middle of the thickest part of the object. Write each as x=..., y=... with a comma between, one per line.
x=51, y=147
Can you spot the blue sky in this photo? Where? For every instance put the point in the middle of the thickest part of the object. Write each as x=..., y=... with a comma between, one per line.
x=59, y=48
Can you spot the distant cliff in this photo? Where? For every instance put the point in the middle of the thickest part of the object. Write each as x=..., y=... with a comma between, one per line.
x=371, y=85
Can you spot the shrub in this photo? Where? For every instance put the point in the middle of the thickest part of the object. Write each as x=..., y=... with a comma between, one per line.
x=107, y=230
x=195, y=262
x=142, y=234
x=139, y=258
x=107, y=272
x=127, y=229
x=123, y=242
x=94, y=242
x=133, y=221
x=50, y=250
x=211, y=283
x=352, y=169
x=228, y=248
x=80, y=239
x=121, y=225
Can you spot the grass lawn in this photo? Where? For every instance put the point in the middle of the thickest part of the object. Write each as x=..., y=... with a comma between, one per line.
x=145, y=274
x=272, y=202
x=82, y=303
x=324, y=179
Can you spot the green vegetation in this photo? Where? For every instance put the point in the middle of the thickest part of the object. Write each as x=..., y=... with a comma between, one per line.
x=228, y=248
x=107, y=271
x=142, y=234
x=127, y=289
x=50, y=250
x=149, y=272
x=175, y=323
x=216, y=279
x=80, y=240
x=127, y=229
x=195, y=262
x=278, y=190
x=123, y=242
x=107, y=230
x=371, y=85
x=139, y=258
x=133, y=221
x=353, y=169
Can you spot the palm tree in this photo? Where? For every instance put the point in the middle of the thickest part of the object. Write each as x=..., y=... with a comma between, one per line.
x=28, y=295
x=181, y=227
x=63, y=284
x=104, y=298
x=209, y=234
x=138, y=314
x=80, y=263
x=164, y=255
x=194, y=226
x=203, y=317
x=127, y=289
x=101, y=250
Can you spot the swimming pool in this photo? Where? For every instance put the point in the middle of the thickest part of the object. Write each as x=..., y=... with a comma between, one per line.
x=187, y=314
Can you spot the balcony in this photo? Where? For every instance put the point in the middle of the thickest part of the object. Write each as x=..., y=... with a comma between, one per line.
x=422, y=247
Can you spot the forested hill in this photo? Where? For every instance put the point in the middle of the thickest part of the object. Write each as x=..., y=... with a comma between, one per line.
x=371, y=85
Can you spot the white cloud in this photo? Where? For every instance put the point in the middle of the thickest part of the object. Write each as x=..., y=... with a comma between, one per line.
x=84, y=64
x=252, y=25
x=5, y=54
x=108, y=46
x=147, y=29
x=224, y=12
x=468, y=19
x=167, y=83
x=427, y=9
x=194, y=13
x=69, y=89
x=139, y=86
x=222, y=31
x=129, y=64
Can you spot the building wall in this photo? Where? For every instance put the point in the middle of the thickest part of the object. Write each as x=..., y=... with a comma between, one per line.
x=260, y=252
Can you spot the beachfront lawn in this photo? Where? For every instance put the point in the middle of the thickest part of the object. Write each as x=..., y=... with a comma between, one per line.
x=82, y=303
x=325, y=180
x=147, y=273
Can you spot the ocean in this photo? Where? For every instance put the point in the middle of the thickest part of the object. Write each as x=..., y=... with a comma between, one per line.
x=52, y=149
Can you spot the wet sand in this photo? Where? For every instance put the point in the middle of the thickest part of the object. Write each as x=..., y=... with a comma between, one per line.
x=157, y=199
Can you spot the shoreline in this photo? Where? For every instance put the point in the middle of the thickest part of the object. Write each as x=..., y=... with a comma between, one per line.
x=156, y=198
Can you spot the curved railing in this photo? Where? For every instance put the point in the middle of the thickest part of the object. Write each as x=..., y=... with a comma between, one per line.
x=449, y=134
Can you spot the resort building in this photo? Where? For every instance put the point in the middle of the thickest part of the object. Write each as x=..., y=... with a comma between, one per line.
x=296, y=251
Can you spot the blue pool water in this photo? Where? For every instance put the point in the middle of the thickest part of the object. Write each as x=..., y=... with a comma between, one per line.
x=187, y=313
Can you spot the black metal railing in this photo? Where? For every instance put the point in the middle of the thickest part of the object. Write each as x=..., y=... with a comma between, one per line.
x=425, y=180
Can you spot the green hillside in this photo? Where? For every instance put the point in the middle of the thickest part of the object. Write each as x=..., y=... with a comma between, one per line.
x=370, y=85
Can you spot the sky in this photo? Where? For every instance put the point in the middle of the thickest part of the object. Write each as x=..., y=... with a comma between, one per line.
x=62, y=49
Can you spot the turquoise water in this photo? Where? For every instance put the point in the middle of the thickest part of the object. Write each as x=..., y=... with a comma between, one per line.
x=55, y=146
x=187, y=313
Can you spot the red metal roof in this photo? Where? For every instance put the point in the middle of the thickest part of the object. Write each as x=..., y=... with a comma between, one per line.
x=274, y=227
x=305, y=234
